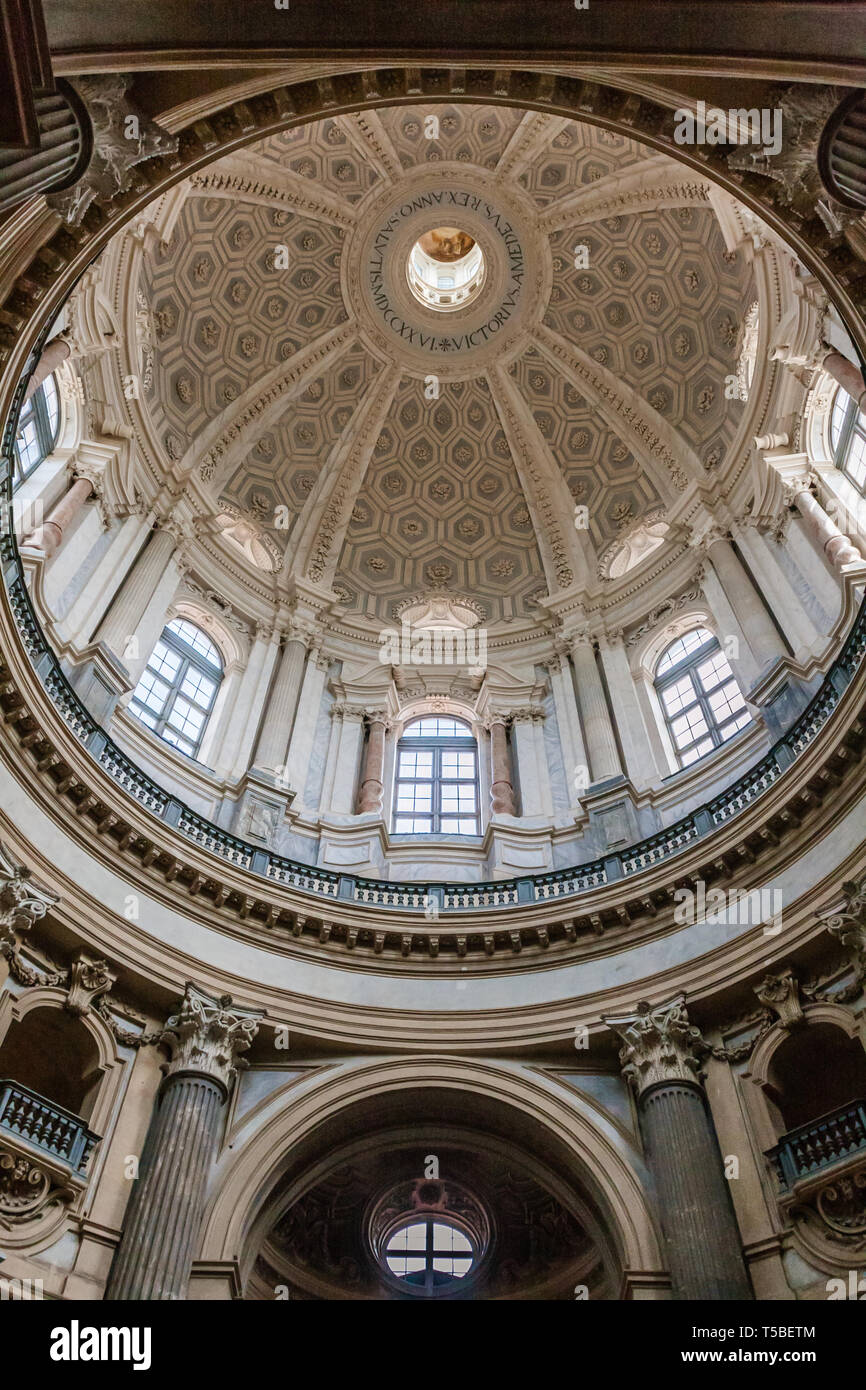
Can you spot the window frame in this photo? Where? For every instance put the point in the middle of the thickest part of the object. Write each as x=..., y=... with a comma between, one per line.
x=430, y=1254
x=36, y=410
x=437, y=745
x=853, y=426
x=190, y=660
x=687, y=666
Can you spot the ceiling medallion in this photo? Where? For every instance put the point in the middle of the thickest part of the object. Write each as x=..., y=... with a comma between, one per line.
x=440, y=226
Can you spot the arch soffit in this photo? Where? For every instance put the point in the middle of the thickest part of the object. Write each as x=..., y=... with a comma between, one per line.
x=836, y=1015
x=616, y=1181
x=14, y=1008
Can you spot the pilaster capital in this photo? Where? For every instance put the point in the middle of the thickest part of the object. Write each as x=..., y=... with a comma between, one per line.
x=352, y=714
x=208, y=1034
x=659, y=1044
x=527, y=714
x=582, y=639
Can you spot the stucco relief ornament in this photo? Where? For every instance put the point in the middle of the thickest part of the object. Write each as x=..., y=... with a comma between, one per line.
x=88, y=979
x=208, y=1034
x=781, y=993
x=804, y=112
x=21, y=902
x=849, y=925
x=659, y=1045
x=123, y=136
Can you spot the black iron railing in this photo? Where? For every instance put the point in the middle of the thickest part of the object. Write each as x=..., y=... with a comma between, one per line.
x=816, y=1146
x=413, y=896
x=45, y=1125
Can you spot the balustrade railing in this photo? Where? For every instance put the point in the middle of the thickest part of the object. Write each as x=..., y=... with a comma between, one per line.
x=818, y=1145
x=46, y=1126
x=412, y=896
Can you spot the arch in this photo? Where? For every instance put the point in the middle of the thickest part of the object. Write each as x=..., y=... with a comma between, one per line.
x=767, y=1120
x=247, y=1174
x=107, y=1062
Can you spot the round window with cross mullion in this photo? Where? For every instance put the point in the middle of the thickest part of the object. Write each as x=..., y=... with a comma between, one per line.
x=429, y=1253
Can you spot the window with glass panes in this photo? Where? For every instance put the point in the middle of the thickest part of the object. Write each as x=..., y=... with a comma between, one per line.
x=429, y=1253
x=37, y=429
x=699, y=694
x=436, y=784
x=176, y=693
x=848, y=438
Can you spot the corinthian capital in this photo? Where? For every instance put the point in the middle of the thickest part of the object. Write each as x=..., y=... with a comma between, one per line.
x=208, y=1034
x=658, y=1044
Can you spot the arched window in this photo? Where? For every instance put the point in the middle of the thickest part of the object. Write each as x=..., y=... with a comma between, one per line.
x=178, y=687
x=702, y=703
x=38, y=426
x=436, y=787
x=848, y=438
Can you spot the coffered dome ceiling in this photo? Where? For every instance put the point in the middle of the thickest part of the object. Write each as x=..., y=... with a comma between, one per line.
x=380, y=447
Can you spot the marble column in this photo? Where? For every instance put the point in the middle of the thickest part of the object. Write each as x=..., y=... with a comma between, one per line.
x=338, y=792
x=53, y=354
x=839, y=549
x=758, y=628
x=574, y=755
x=661, y=1058
x=527, y=742
x=597, y=725
x=161, y=1229
x=636, y=747
x=304, y=730
x=273, y=744
x=849, y=377
x=94, y=595
x=49, y=536
x=126, y=612
x=373, y=771
x=795, y=622
x=501, y=776
x=233, y=748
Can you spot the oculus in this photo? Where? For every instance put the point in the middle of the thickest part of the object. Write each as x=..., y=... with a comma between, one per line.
x=445, y=269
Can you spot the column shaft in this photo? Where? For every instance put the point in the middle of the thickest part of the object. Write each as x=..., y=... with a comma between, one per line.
x=49, y=536
x=127, y=610
x=703, y=1244
x=849, y=377
x=304, y=730
x=758, y=627
x=637, y=750
x=598, y=729
x=273, y=744
x=839, y=548
x=501, y=777
x=372, y=784
x=160, y=1232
